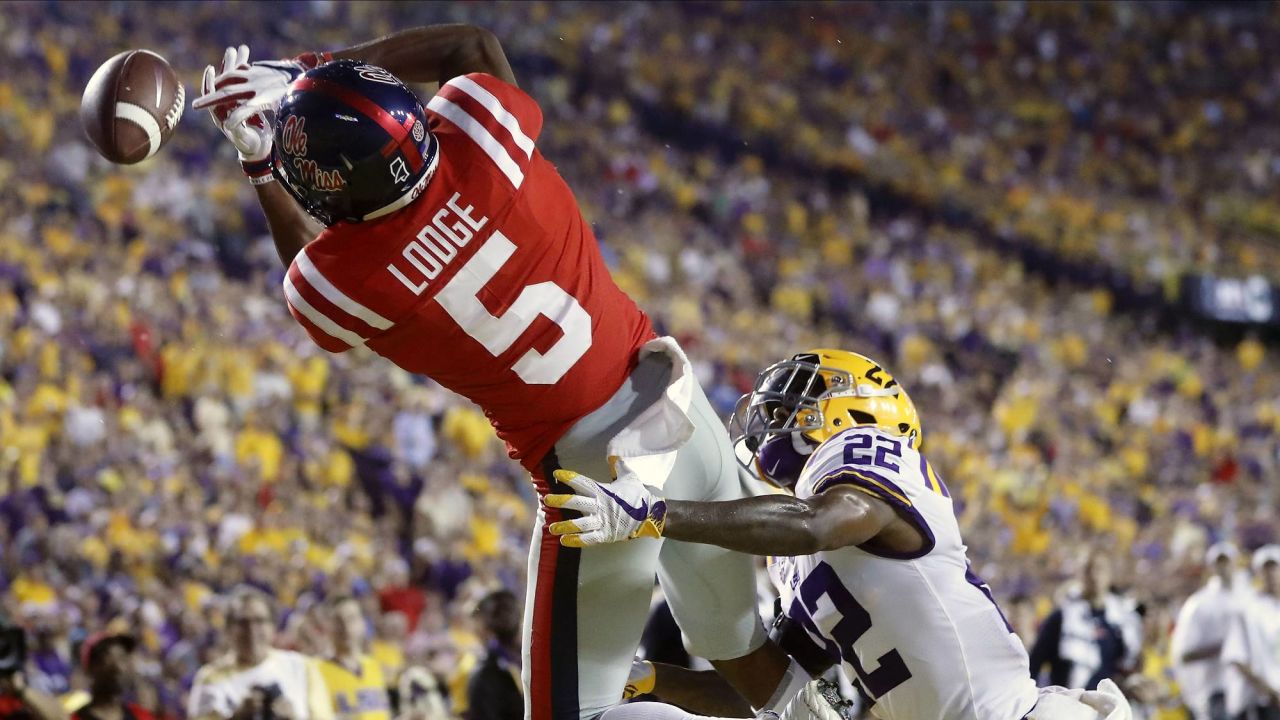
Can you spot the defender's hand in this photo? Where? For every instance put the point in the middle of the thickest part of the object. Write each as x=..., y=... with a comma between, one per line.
x=621, y=510
x=244, y=89
x=250, y=133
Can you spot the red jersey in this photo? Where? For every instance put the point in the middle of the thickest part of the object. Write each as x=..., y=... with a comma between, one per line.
x=490, y=282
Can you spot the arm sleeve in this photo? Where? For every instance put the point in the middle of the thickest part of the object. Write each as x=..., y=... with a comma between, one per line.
x=1045, y=649
x=884, y=488
x=522, y=108
x=498, y=117
x=334, y=319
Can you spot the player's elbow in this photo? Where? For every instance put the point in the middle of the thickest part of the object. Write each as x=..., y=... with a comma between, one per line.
x=821, y=533
x=835, y=527
x=486, y=53
x=481, y=37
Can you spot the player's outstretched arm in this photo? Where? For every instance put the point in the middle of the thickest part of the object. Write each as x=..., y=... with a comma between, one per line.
x=249, y=131
x=435, y=53
x=291, y=227
x=781, y=524
x=764, y=525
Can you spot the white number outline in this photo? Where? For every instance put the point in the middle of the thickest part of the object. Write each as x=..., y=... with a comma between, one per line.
x=460, y=299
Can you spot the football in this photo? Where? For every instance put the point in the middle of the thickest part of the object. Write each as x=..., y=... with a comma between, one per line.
x=131, y=106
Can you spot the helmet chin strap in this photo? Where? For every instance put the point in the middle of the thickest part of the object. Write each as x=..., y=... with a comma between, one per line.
x=802, y=444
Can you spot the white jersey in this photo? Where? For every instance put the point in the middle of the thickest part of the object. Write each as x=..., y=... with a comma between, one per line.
x=919, y=634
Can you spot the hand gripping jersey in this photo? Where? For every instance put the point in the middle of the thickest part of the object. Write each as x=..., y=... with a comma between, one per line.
x=490, y=283
x=920, y=635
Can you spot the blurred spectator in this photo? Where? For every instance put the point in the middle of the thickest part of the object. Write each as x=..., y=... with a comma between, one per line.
x=493, y=692
x=1251, y=650
x=1004, y=219
x=1081, y=640
x=255, y=681
x=420, y=696
x=109, y=662
x=354, y=679
x=20, y=702
x=50, y=655
x=1198, y=636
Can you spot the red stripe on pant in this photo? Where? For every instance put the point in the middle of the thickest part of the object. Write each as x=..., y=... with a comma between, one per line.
x=553, y=652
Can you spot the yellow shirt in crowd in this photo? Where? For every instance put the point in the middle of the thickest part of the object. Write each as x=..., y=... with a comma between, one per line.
x=360, y=695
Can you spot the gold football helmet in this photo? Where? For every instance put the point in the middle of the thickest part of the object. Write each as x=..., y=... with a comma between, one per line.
x=817, y=394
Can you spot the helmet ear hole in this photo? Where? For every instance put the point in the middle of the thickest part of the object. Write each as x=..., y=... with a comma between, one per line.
x=903, y=427
x=862, y=418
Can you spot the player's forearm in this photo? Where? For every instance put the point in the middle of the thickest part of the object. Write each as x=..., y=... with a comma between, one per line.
x=702, y=692
x=291, y=227
x=780, y=524
x=763, y=525
x=435, y=53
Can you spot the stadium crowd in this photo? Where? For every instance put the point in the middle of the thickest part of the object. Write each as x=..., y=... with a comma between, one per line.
x=167, y=433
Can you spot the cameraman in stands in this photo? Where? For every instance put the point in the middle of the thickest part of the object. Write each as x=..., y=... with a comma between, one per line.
x=17, y=701
x=256, y=681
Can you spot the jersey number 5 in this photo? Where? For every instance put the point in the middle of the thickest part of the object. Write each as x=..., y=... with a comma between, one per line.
x=460, y=298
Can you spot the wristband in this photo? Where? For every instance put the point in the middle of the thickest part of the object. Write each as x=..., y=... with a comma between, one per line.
x=262, y=180
x=314, y=59
x=655, y=523
x=257, y=169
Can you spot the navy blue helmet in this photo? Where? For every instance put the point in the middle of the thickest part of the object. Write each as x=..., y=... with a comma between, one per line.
x=351, y=143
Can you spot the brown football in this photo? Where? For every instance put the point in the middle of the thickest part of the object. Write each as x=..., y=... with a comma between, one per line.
x=131, y=106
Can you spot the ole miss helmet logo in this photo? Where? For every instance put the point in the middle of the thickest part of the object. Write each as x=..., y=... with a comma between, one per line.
x=294, y=140
x=314, y=176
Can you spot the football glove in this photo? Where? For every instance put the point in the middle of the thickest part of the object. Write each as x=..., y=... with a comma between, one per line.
x=1059, y=703
x=819, y=700
x=251, y=135
x=641, y=680
x=1109, y=702
x=621, y=510
x=244, y=89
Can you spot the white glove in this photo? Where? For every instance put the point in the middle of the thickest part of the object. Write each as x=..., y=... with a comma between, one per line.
x=1108, y=701
x=1105, y=703
x=250, y=133
x=248, y=89
x=814, y=703
x=621, y=510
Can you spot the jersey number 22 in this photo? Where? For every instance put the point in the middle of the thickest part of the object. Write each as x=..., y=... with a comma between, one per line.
x=854, y=622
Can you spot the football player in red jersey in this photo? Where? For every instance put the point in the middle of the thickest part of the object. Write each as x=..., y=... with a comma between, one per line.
x=453, y=248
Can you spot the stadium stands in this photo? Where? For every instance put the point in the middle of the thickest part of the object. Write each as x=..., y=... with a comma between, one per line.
x=167, y=432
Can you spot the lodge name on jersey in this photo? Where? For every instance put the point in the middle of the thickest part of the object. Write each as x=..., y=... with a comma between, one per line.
x=451, y=228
